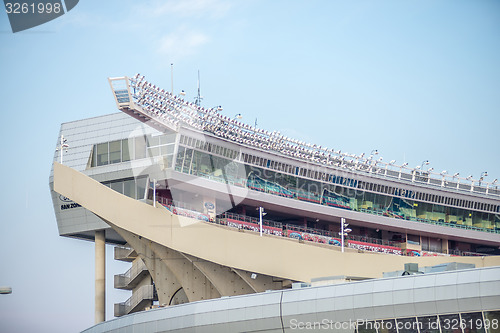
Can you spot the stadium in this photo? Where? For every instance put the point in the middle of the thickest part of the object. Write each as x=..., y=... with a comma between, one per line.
x=233, y=228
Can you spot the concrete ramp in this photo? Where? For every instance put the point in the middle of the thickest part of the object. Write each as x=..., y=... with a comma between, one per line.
x=269, y=255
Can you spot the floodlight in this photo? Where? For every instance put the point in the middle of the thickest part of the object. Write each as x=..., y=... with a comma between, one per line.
x=183, y=93
x=430, y=169
x=392, y=162
x=404, y=164
x=456, y=174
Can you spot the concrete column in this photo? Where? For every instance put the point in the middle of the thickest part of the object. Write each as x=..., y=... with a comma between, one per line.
x=444, y=246
x=100, y=277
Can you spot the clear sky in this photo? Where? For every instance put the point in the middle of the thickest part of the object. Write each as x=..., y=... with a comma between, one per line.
x=417, y=80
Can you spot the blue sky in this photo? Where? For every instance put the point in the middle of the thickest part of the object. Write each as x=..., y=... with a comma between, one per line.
x=417, y=80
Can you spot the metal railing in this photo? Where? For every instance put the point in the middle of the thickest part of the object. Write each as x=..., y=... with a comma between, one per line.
x=123, y=280
x=141, y=294
x=124, y=253
x=311, y=234
x=320, y=200
x=250, y=219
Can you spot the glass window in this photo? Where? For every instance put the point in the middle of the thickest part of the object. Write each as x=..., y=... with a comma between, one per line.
x=117, y=186
x=115, y=152
x=140, y=147
x=126, y=149
x=450, y=323
x=168, y=161
x=492, y=321
x=367, y=327
x=129, y=188
x=472, y=322
x=102, y=154
x=153, y=141
x=386, y=326
x=407, y=325
x=154, y=151
x=167, y=150
x=94, y=155
x=141, y=187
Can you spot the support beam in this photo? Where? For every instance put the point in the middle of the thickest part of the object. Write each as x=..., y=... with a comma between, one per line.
x=170, y=270
x=224, y=279
x=260, y=283
x=100, y=276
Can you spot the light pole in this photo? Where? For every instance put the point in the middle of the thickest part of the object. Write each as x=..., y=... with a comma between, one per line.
x=387, y=165
x=483, y=174
x=401, y=168
x=344, y=231
x=62, y=146
x=154, y=192
x=261, y=213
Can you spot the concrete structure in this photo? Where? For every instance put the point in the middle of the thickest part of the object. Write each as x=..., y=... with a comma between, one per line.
x=179, y=188
x=435, y=302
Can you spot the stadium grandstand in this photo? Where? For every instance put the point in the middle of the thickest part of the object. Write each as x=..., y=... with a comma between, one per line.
x=204, y=206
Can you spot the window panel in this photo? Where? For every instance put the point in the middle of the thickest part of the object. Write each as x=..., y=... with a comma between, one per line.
x=126, y=149
x=140, y=147
x=140, y=187
x=367, y=327
x=94, y=156
x=167, y=150
x=102, y=154
x=428, y=324
x=154, y=151
x=386, y=326
x=115, y=152
x=407, y=325
x=450, y=323
x=117, y=186
x=153, y=141
x=492, y=321
x=472, y=322
x=129, y=188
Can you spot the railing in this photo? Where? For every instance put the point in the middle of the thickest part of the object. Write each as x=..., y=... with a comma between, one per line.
x=124, y=253
x=245, y=218
x=123, y=280
x=466, y=253
x=139, y=295
x=322, y=200
x=175, y=208
x=244, y=222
